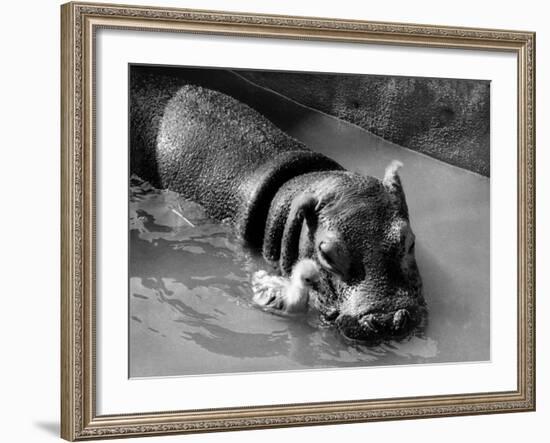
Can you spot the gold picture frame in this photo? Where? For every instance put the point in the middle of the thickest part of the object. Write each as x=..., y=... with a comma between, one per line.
x=79, y=22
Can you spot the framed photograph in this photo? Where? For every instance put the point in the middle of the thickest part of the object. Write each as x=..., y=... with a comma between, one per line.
x=282, y=221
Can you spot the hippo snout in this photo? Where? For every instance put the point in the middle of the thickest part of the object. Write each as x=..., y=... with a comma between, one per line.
x=376, y=326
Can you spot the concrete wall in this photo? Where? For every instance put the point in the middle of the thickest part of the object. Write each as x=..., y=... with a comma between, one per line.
x=445, y=118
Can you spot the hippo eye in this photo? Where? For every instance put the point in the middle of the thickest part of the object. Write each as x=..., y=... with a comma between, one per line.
x=327, y=257
x=333, y=257
x=411, y=247
x=325, y=253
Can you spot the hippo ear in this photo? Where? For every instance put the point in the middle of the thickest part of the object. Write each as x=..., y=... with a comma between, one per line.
x=391, y=181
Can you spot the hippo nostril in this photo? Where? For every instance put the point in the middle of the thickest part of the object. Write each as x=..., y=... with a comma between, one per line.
x=400, y=319
x=369, y=322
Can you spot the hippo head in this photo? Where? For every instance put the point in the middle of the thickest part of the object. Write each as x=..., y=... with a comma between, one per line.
x=358, y=230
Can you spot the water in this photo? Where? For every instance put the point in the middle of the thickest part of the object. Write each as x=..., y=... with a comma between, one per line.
x=190, y=295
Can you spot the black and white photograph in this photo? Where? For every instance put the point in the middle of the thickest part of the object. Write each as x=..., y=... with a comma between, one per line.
x=276, y=221
x=285, y=221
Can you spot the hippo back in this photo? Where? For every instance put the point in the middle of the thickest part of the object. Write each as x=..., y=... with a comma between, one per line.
x=223, y=154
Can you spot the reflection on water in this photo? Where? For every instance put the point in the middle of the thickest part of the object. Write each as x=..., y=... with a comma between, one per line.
x=190, y=294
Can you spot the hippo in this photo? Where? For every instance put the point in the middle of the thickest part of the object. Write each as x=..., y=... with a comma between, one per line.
x=286, y=202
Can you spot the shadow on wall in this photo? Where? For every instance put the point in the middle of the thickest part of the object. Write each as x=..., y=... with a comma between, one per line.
x=447, y=119
x=49, y=427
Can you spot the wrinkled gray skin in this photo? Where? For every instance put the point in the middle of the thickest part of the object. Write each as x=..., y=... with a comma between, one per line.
x=286, y=202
